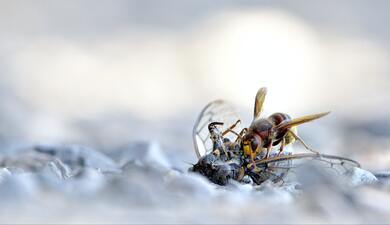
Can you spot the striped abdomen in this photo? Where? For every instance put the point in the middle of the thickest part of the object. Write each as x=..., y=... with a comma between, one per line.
x=278, y=118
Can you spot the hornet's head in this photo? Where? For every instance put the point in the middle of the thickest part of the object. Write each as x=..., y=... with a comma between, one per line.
x=251, y=144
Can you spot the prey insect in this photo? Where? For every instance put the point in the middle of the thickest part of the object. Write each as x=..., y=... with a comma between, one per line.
x=223, y=162
x=217, y=111
x=223, y=146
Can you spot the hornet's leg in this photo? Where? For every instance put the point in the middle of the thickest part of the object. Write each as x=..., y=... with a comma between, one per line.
x=303, y=143
x=230, y=129
x=269, y=147
x=252, y=166
x=282, y=145
x=241, y=134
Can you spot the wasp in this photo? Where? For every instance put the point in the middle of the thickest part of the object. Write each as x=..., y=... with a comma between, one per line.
x=221, y=157
x=278, y=128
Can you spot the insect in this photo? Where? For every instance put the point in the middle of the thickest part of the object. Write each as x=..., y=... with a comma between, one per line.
x=217, y=111
x=223, y=146
x=219, y=147
x=278, y=128
x=223, y=162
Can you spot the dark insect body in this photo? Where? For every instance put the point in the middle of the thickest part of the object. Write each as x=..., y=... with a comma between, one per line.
x=279, y=128
x=217, y=170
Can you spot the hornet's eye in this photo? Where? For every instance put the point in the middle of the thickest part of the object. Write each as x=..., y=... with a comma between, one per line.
x=254, y=145
x=251, y=145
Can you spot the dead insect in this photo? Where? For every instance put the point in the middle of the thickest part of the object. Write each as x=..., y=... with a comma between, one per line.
x=279, y=128
x=207, y=131
x=217, y=170
x=223, y=146
x=224, y=161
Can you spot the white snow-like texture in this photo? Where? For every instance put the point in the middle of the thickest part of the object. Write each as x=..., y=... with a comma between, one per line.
x=4, y=172
x=139, y=183
x=358, y=176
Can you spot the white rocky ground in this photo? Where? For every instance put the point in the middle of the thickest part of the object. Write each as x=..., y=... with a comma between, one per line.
x=139, y=184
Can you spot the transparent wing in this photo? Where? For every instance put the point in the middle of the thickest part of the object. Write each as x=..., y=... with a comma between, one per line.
x=259, y=102
x=216, y=111
x=300, y=120
x=276, y=168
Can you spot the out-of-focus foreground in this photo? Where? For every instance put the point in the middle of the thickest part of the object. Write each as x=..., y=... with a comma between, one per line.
x=128, y=75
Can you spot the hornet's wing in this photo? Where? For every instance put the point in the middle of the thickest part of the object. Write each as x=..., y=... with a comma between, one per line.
x=259, y=102
x=300, y=120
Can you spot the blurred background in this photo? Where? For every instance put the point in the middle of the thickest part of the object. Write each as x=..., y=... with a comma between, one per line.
x=117, y=75
x=104, y=73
